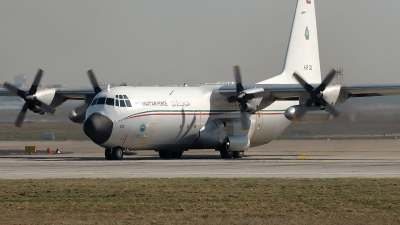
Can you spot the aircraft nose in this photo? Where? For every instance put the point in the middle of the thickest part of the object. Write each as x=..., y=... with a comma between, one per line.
x=98, y=128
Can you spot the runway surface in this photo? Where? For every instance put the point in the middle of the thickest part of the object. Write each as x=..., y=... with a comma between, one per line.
x=297, y=159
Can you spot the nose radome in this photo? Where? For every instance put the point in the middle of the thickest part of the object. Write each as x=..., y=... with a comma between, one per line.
x=98, y=128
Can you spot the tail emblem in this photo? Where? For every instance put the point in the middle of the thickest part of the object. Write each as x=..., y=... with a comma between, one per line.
x=307, y=34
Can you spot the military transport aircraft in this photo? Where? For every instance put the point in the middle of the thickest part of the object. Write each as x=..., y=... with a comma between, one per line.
x=230, y=118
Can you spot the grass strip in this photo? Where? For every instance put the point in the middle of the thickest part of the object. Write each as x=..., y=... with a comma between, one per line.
x=200, y=201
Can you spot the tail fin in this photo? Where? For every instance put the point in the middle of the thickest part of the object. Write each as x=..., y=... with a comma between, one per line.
x=302, y=54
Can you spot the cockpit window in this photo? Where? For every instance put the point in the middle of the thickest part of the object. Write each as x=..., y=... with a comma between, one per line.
x=94, y=101
x=101, y=101
x=110, y=101
x=121, y=103
x=118, y=101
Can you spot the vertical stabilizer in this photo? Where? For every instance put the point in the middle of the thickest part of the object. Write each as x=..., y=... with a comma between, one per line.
x=302, y=54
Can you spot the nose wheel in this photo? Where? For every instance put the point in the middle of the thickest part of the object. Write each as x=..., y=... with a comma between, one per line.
x=114, y=154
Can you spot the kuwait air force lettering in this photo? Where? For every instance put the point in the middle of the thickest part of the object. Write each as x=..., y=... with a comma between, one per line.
x=175, y=103
x=151, y=103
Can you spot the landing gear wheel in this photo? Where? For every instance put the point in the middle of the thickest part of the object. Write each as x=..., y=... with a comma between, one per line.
x=117, y=153
x=238, y=154
x=164, y=154
x=108, y=155
x=226, y=154
x=176, y=154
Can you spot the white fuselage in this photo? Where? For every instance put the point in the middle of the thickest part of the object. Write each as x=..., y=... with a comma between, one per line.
x=181, y=118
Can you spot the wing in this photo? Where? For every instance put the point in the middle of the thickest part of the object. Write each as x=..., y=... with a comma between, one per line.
x=352, y=91
x=285, y=92
x=65, y=93
x=75, y=94
x=47, y=99
x=274, y=92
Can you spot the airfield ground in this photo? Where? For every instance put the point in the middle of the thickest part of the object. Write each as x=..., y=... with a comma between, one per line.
x=280, y=158
x=354, y=180
x=284, y=182
x=200, y=201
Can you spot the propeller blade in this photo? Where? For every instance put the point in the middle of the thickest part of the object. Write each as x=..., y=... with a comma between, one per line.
x=46, y=108
x=81, y=109
x=331, y=109
x=21, y=116
x=309, y=102
x=303, y=83
x=245, y=120
x=14, y=90
x=93, y=80
x=240, y=96
x=238, y=79
x=327, y=80
x=36, y=82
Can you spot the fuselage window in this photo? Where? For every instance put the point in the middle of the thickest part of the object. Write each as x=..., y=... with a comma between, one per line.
x=128, y=103
x=121, y=103
x=116, y=102
x=94, y=101
x=110, y=101
x=116, y=96
x=101, y=101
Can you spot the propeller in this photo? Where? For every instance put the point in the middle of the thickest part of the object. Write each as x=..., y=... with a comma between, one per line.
x=96, y=88
x=243, y=97
x=316, y=95
x=93, y=81
x=31, y=102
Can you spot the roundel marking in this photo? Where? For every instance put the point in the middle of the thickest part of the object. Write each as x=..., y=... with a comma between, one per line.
x=142, y=127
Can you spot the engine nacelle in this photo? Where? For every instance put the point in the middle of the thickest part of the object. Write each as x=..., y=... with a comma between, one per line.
x=212, y=134
x=36, y=109
x=313, y=115
x=49, y=97
x=331, y=94
x=237, y=143
x=77, y=117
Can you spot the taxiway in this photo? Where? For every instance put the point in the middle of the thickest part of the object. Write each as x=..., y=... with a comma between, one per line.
x=280, y=158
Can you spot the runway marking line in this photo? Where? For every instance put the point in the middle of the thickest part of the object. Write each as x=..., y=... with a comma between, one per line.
x=364, y=146
x=312, y=160
x=302, y=156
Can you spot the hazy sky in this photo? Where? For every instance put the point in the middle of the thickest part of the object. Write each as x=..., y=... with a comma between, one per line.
x=171, y=42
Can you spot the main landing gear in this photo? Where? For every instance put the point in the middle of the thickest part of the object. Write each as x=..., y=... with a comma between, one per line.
x=227, y=154
x=170, y=154
x=114, y=153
